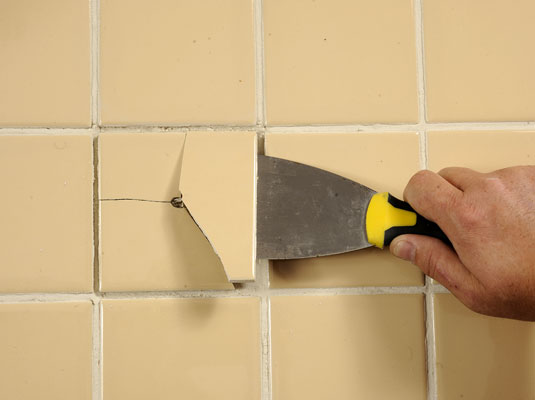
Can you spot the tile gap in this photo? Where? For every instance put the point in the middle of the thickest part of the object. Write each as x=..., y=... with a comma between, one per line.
x=430, y=342
x=95, y=62
x=420, y=60
x=260, y=103
x=96, y=217
x=97, y=350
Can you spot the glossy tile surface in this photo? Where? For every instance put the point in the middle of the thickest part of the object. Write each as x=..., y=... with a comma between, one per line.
x=45, y=68
x=46, y=213
x=45, y=351
x=182, y=348
x=348, y=347
x=477, y=60
x=382, y=161
x=154, y=246
x=484, y=151
x=140, y=165
x=481, y=357
x=218, y=185
x=340, y=61
x=177, y=62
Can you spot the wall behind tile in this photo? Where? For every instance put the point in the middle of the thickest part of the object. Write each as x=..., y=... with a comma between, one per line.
x=107, y=291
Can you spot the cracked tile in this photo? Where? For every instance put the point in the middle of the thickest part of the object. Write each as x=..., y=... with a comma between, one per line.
x=150, y=245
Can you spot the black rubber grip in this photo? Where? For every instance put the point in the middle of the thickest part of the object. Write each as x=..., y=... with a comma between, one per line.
x=423, y=226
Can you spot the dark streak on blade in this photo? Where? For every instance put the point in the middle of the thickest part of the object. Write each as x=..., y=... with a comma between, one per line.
x=304, y=211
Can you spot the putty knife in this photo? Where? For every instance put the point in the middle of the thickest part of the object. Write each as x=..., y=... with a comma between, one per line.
x=304, y=211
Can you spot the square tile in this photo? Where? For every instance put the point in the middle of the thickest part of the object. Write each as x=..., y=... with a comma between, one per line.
x=45, y=350
x=177, y=62
x=140, y=165
x=381, y=161
x=182, y=348
x=148, y=245
x=480, y=357
x=484, y=151
x=348, y=347
x=478, y=62
x=340, y=61
x=45, y=68
x=218, y=186
x=46, y=209
x=155, y=246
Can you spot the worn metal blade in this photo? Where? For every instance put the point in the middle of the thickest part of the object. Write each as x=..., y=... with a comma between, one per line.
x=304, y=211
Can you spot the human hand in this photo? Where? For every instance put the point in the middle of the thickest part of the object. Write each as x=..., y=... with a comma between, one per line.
x=490, y=221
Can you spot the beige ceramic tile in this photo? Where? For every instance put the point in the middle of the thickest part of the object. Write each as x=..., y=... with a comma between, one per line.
x=182, y=348
x=146, y=245
x=45, y=351
x=140, y=165
x=46, y=213
x=382, y=161
x=218, y=184
x=340, y=61
x=177, y=62
x=484, y=151
x=348, y=347
x=154, y=246
x=481, y=357
x=478, y=62
x=44, y=73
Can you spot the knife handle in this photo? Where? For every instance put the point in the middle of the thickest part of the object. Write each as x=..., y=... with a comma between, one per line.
x=388, y=217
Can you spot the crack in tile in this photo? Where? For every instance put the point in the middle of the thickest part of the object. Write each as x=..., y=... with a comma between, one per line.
x=132, y=199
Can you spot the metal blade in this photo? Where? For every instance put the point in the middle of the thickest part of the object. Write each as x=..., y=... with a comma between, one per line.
x=304, y=211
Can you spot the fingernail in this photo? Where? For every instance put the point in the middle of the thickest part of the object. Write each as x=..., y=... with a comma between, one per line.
x=404, y=250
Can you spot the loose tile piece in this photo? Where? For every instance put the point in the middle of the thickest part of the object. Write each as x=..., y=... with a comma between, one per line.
x=348, y=347
x=154, y=246
x=381, y=161
x=478, y=62
x=182, y=348
x=177, y=62
x=140, y=165
x=44, y=73
x=218, y=185
x=45, y=351
x=46, y=209
x=484, y=151
x=480, y=357
x=340, y=61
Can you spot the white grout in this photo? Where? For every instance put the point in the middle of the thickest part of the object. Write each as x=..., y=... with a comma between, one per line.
x=97, y=350
x=95, y=59
x=259, y=63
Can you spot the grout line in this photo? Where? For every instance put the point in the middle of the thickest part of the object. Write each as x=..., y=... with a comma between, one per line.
x=420, y=61
x=97, y=351
x=262, y=284
x=249, y=289
x=96, y=216
x=430, y=341
x=259, y=64
x=422, y=136
x=442, y=126
x=95, y=60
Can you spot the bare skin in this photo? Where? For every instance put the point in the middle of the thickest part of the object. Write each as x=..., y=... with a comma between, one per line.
x=490, y=220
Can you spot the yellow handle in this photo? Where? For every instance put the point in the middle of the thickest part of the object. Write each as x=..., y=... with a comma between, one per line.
x=382, y=215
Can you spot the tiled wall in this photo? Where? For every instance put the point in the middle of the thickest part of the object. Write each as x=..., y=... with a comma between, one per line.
x=109, y=292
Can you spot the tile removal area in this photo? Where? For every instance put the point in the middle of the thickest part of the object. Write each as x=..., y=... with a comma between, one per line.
x=108, y=291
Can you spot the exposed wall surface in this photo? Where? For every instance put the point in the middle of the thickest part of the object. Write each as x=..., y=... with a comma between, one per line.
x=109, y=292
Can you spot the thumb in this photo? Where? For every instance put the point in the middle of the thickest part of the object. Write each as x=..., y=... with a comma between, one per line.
x=437, y=260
